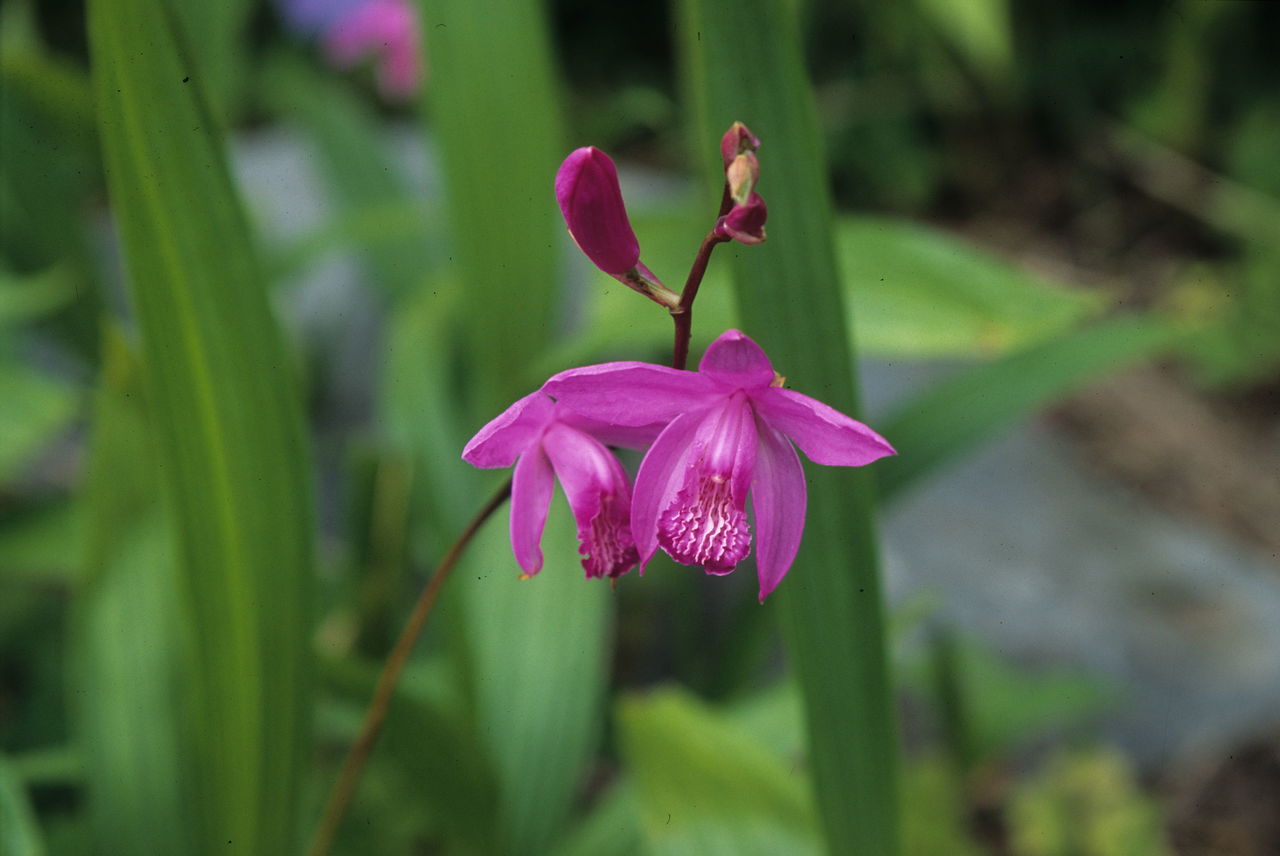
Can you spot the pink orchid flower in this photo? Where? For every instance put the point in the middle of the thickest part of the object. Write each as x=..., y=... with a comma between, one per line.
x=544, y=440
x=729, y=436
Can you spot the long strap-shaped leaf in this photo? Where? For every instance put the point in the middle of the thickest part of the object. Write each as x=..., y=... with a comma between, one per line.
x=230, y=439
x=534, y=652
x=745, y=64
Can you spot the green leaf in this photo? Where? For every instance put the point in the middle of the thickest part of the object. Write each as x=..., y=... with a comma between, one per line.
x=612, y=826
x=19, y=833
x=747, y=66
x=705, y=786
x=533, y=653
x=128, y=709
x=228, y=428
x=535, y=656
x=42, y=543
x=953, y=416
x=496, y=117
x=24, y=298
x=916, y=291
x=37, y=408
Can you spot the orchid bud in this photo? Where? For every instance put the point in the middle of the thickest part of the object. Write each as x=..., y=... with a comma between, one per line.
x=591, y=201
x=742, y=174
x=736, y=141
x=745, y=223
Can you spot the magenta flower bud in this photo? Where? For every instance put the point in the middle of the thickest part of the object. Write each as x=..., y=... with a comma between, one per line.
x=745, y=223
x=591, y=201
x=736, y=141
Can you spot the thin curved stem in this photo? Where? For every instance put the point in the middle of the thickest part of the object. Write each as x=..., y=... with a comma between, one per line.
x=682, y=314
x=344, y=788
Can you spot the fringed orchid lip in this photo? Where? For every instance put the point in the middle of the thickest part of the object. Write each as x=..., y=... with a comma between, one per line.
x=729, y=433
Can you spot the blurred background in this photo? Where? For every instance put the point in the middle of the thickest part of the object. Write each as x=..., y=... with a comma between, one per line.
x=1058, y=231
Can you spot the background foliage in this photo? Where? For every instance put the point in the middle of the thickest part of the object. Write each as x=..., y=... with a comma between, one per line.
x=216, y=508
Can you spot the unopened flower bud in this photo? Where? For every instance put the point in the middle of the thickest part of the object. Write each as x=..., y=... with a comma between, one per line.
x=591, y=201
x=737, y=140
x=742, y=174
x=745, y=223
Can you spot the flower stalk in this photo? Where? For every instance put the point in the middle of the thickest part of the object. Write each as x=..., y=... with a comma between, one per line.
x=339, y=800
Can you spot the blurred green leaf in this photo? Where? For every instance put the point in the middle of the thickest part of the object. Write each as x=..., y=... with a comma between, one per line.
x=612, y=826
x=953, y=416
x=982, y=32
x=440, y=766
x=229, y=434
x=42, y=543
x=535, y=658
x=495, y=114
x=372, y=193
x=704, y=786
x=37, y=409
x=747, y=66
x=533, y=654
x=126, y=632
x=934, y=812
x=19, y=834
x=916, y=291
x=213, y=36
x=1005, y=704
x=25, y=298
x=1085, y=803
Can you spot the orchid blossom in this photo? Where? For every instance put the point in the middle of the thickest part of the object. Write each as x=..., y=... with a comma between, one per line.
x=546, y=441
x=729, y=434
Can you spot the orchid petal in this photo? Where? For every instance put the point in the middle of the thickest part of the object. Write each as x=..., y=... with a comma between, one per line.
x=506, y=437
x=631, y=393
x=778, y=497
x=531, y=488
x=591, y=202
x=825, y=434
x=626, y=436
x=735, y=360
x=584, y=467
x=661, y=473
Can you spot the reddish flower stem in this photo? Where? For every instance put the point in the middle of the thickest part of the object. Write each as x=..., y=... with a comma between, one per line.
x=344, y=788
x=682, y=314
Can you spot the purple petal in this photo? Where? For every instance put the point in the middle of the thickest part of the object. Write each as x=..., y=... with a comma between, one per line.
x=631, y=393
x=506, y=437
x=736, y=140
x=778, y=498
x=825, y=434
x=531, y=488
x=596, y=486
x=591, y=202
x=626, y=436
x=661, y=473
x=745, y=223
x=733, y=359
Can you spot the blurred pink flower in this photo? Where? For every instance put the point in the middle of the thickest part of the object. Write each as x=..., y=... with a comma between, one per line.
x=729, y=433
x=387, y=30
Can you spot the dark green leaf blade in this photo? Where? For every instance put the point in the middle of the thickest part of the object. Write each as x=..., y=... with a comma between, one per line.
x=747, y=66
